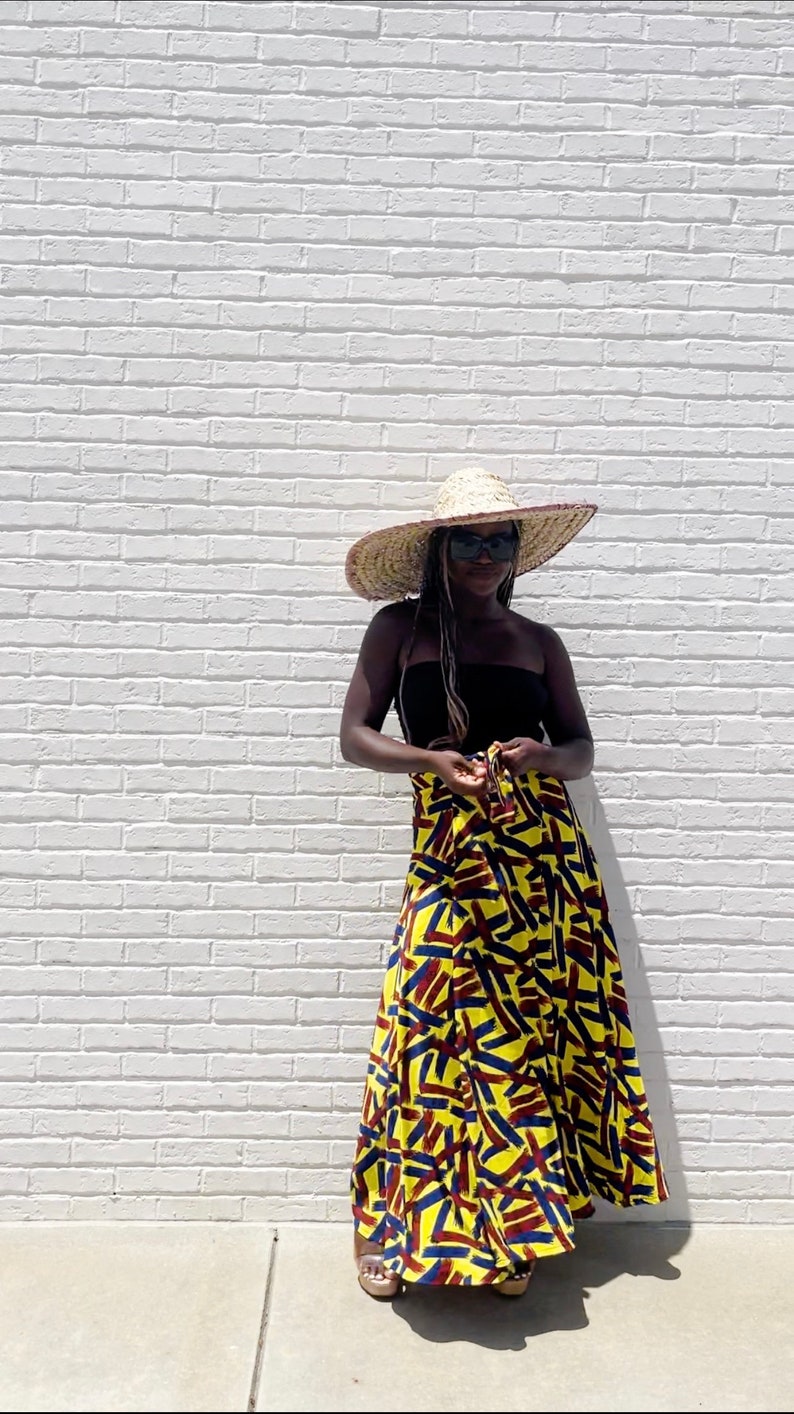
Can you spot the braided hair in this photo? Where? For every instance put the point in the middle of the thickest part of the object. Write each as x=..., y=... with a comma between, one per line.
x=435, y=595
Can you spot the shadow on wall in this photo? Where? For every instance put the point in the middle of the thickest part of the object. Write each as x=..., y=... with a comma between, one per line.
x=644, y=1024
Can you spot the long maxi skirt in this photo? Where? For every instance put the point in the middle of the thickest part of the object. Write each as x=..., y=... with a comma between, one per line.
x=503, y=1088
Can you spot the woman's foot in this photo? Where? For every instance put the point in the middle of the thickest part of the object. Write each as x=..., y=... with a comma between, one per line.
x=373, y=1277
x=515, y=1286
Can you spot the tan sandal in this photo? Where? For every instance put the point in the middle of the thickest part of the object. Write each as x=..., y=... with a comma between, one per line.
x=374, y=1279
x=514, y=1286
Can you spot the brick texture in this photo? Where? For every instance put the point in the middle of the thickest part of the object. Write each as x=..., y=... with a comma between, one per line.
x=269, y=273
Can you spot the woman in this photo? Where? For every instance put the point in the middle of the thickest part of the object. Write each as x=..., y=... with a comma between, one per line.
x=503, y=1087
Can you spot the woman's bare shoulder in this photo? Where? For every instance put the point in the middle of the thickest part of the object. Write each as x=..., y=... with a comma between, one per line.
x=401, y=611
x=388, y=626
x=395, y=616
x=535, y=636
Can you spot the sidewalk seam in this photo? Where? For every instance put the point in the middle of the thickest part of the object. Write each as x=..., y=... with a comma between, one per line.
x=263, y=1324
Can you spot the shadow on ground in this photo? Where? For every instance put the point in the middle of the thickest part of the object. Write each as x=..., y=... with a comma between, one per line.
x=557, y=1295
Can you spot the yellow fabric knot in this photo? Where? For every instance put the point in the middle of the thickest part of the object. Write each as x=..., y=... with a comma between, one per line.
x=501, y=791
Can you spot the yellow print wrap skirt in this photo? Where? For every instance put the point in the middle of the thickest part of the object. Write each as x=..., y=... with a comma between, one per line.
x=503, y=1087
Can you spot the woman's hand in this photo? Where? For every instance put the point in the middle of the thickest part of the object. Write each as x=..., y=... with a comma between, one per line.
x=462, y=776
x=524, y=753
x=567, y=761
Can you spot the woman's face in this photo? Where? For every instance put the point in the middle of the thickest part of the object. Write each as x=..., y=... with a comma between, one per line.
x=480, y=575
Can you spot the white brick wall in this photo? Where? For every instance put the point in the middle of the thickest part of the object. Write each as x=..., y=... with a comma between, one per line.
x=269, y=270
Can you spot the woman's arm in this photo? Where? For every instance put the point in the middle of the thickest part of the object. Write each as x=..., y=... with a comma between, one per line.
x=570, y=755
x=369, y=697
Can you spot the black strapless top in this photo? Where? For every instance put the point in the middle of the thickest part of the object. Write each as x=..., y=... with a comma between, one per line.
x=502, y=702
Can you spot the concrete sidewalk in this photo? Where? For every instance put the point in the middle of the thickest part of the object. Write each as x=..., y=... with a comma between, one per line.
x=214, y=1317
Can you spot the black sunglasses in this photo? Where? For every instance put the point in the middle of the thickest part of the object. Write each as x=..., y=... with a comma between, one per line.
x=466, y=545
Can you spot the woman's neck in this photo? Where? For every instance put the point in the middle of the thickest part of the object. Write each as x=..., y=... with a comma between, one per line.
x=471, y=610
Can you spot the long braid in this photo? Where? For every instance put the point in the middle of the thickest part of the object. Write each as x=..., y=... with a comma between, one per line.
x=505, y=591
x=435, y=593
x=457, y=715
x=411, y=641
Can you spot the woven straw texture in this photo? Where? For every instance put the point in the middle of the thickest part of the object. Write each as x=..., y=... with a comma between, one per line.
x=388, y=563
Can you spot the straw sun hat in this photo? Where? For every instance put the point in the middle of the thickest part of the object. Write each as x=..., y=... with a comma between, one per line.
x=388, y=564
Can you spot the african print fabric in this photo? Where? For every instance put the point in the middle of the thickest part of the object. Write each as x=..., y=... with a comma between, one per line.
x=503, y=1087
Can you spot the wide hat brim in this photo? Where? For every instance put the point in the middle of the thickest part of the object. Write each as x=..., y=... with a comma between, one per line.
x=388, y=564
